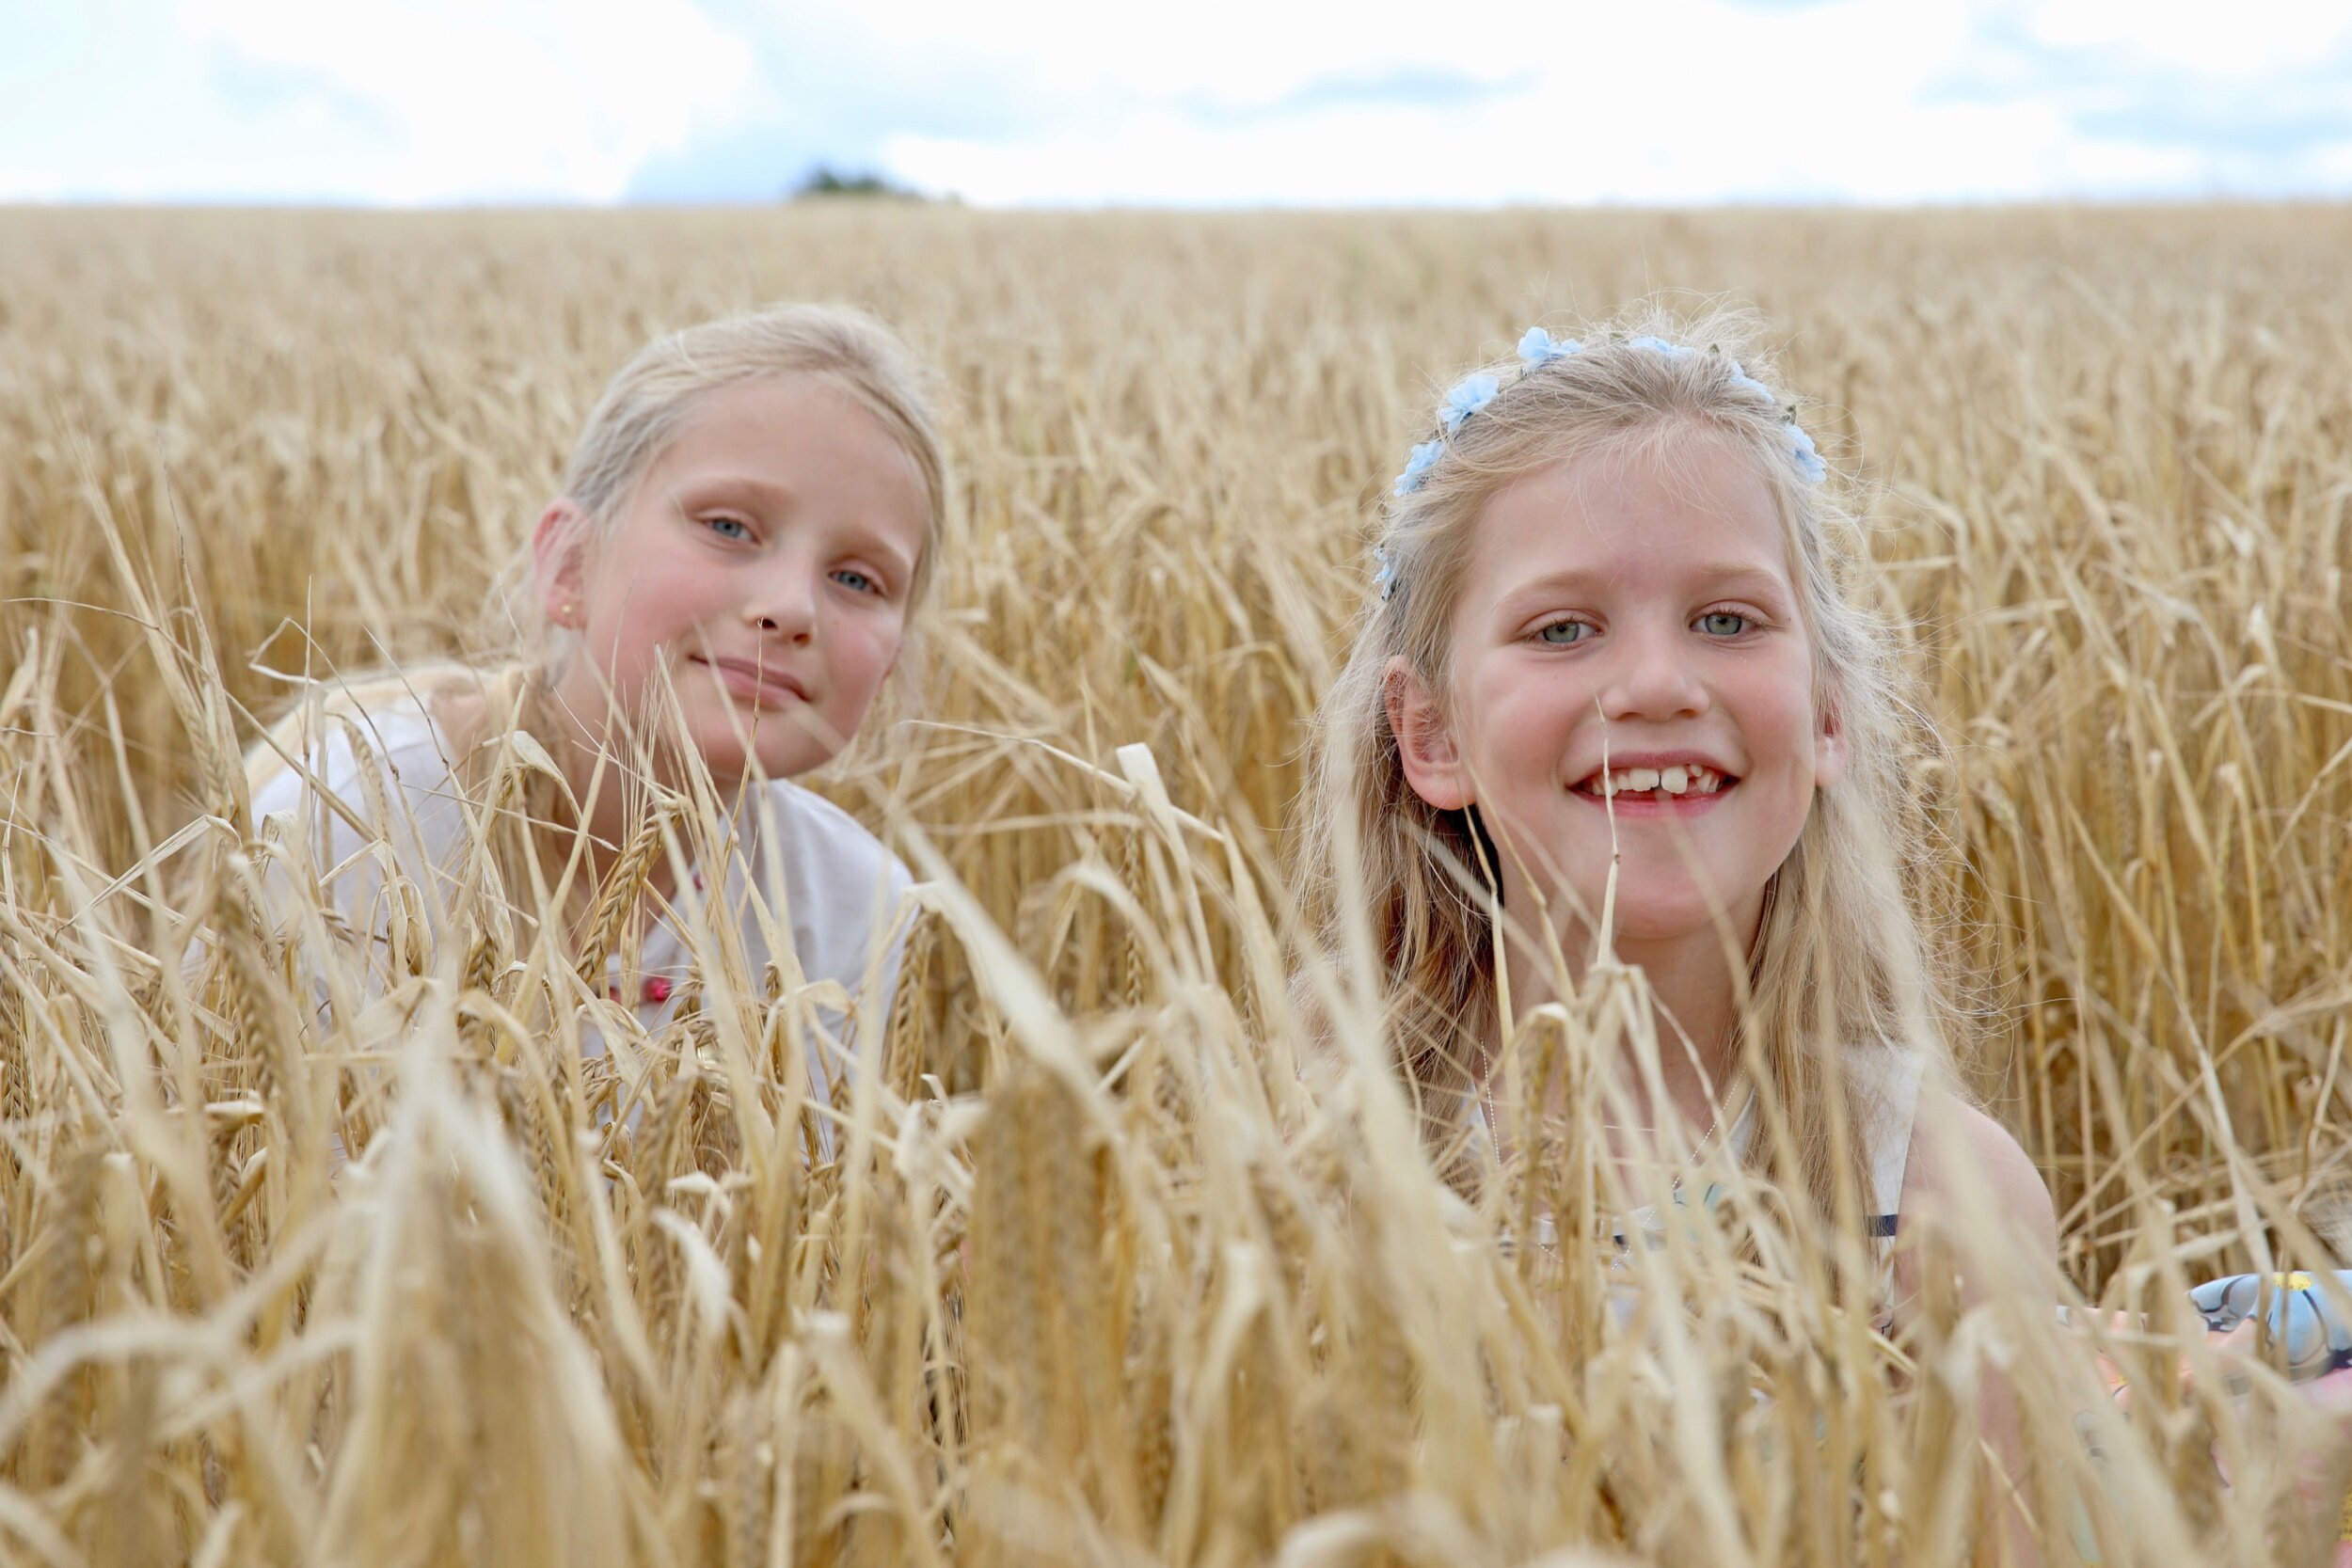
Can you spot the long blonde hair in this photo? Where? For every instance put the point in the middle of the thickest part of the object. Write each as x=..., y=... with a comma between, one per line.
x=1840, y=959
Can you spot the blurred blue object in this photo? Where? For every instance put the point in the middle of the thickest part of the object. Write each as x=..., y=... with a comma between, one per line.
x=2316, y=1337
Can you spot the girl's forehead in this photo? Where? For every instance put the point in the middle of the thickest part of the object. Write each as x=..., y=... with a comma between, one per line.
x=793, y=429
x=1642, y=512
x=749, y=413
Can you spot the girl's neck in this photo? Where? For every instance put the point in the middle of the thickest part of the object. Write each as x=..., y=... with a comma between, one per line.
x=1694, y=1009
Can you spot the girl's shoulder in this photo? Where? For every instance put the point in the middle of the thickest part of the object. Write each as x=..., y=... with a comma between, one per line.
x=412, y=722
x=1961, y=1158
x=366, y=761
x=333, y=751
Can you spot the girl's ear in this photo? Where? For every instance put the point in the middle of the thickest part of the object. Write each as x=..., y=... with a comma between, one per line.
x=558, y=551
x=1829, y=747
x=1432, y=765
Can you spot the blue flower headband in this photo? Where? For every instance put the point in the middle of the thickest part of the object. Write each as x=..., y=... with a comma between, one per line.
x=1538, y=348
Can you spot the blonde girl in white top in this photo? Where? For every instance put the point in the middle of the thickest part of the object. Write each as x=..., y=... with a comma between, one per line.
x=1618, y=624
x=715, y=600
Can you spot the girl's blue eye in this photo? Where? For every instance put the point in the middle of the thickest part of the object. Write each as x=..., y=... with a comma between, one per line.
x=1722, y=622
x=1561, y=633
x=720, y=525
x=857, y=582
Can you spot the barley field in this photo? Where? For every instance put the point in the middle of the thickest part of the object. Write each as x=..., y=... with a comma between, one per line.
x=1106, y=1265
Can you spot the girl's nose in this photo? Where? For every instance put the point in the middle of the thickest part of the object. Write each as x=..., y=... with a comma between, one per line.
x=1653, y=678
x=785, y=606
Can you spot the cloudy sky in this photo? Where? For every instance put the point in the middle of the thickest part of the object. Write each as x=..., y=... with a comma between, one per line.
x=1204, y=102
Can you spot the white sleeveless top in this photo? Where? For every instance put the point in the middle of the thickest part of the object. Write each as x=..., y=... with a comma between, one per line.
x=821, y=876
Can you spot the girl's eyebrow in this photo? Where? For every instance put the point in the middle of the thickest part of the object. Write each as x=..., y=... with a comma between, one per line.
x=1744, y=577
x=1713, y=577
x=888, y=554
x=709, y=485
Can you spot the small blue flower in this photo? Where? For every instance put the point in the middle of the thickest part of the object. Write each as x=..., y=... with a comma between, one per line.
x=1741, y=381
x=1539, y=348
x=1659, y=346
x=1423, y=457
x=1808, y=461
x=1470, y=394
x=1383, y=574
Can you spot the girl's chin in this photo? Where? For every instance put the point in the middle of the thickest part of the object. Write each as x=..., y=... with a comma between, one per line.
x=1656, y=931
x=730, y=761
x=1688, y=915
x=783, y=749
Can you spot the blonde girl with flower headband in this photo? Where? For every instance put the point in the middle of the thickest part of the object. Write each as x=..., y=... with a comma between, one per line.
x=1617, y=668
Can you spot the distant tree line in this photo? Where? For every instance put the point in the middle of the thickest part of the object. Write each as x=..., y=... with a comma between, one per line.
x=825, y=181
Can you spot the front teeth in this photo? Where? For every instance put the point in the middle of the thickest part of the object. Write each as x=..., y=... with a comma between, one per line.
x=1680, y=779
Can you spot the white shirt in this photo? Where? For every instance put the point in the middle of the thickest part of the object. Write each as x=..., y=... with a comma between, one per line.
x=805, y=862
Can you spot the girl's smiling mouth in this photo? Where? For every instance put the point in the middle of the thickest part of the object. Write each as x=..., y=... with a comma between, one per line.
x=762, y=684
x=1656, y=784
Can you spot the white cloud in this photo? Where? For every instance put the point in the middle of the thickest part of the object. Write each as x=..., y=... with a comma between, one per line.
x=486, y=97
x=1243, y=49
x=2246, y=39
x=1681, y=101
x=1214, y=101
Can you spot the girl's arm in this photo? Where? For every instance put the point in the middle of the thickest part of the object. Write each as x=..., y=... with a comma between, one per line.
x=1964, y=1168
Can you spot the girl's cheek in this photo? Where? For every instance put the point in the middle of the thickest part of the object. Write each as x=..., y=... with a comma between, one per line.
x=882, y=639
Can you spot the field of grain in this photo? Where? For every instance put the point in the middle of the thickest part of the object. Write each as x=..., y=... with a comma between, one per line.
x=1098, y=1275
